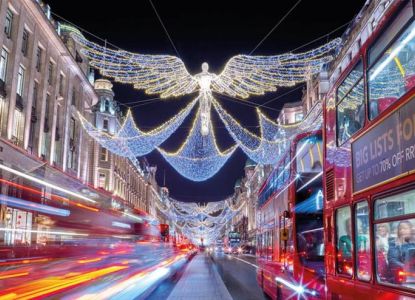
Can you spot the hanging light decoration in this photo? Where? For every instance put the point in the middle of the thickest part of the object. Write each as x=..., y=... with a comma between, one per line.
x=131, y=140
x=198, y=221
x=243, y=75
x=274, y=138
x=199, y=157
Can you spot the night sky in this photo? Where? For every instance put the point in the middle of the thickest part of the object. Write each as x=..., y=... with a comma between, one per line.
x=211, y=31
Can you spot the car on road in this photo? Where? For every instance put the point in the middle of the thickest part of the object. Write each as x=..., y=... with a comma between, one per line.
x=228, y=250
x=246, y=249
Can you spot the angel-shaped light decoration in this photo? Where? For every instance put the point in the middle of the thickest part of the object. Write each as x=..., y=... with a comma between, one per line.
x=243, y=75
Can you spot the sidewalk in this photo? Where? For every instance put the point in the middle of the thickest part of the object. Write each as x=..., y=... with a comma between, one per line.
x=200, y=281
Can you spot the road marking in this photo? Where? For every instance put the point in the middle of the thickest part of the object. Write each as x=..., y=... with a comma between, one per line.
x=247, y=262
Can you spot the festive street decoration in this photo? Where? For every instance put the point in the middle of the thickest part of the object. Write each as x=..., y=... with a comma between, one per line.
x=131, y=140
x=243, y=75
x=200, y=221
x=199, y=157
x=274, y=138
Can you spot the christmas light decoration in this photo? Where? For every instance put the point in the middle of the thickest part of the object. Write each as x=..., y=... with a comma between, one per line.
x=243, y=75
x=199, y=157
x=130, y=140
x=274, y=138
x=198, y=221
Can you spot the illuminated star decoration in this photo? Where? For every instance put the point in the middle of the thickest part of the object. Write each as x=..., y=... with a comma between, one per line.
x=166, y=75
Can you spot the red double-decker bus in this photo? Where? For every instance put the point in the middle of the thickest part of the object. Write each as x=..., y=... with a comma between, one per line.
x=290, y=243
x=369, y=165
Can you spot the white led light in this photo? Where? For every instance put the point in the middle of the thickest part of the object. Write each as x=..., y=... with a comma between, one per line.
x=243, y=75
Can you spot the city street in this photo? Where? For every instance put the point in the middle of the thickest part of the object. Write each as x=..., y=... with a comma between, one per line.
x=121, y=270
x=207, y=150
x=238, y=272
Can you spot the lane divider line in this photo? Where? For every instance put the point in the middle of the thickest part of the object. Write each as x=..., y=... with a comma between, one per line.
x=247, y=262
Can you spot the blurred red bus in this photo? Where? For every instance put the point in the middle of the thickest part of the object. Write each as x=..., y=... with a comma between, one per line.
x=369, y=171
x=290, y=244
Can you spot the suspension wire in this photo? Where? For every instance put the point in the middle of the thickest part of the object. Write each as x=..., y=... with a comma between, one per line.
x=323, y=36
x=140, y=101
x=164, y=27
x=244, y=102
x=117, y=47
x=86, y=31
x=280, y=96
x=147, y=103
x=275, y=27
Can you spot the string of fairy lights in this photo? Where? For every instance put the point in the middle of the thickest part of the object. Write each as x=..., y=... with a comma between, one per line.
x=199, y=157
x=200, y=221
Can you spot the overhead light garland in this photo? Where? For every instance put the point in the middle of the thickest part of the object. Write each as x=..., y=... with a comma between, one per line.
x=274, y=138
x=199, y=158
x=130, y=140
x=197, y=221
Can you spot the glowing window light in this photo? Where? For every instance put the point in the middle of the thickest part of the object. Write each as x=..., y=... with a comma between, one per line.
x=45, y=183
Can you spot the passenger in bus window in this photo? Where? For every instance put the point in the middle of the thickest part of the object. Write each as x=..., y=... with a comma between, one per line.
x=362, y=239
x=345, y=263
x=345, y=241
x=382, y=237
x=401, y=252
x=382, y=247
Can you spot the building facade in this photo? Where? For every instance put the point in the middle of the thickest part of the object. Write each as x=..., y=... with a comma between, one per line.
x=45, y=84
x=130, y=182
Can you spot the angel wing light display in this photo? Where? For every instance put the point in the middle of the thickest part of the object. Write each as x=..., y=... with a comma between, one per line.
x=242, y=76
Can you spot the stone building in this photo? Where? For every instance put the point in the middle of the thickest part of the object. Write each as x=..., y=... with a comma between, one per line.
x=45, y=83
x=127, y=180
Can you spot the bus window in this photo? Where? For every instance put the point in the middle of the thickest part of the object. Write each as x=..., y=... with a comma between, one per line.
x=395, y=240
x=362, y=241
x=308, y=158
x=309, y=223
x=393, y=74
x=344, y=241
x=395, y=206
x=350, y=104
